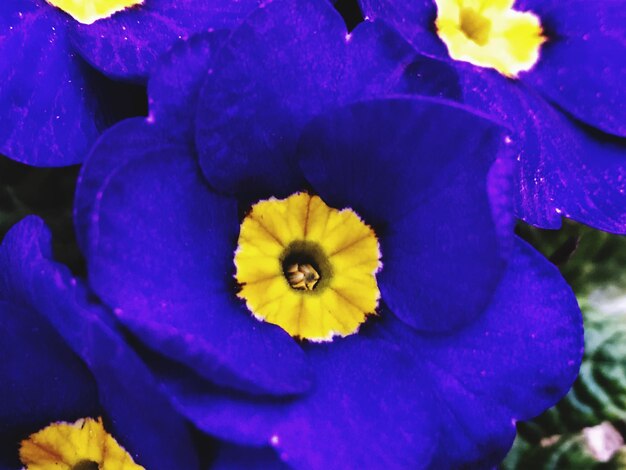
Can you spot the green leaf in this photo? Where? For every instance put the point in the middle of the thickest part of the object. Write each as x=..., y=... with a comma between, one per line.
x=594, y=263
x=599, y=447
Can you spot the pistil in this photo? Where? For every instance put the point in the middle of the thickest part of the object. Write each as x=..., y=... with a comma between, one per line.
x=302, y=276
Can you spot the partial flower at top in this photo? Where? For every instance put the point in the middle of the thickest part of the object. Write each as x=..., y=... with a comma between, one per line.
x=52, y=106
x=554, y=71
x=490, y=34
x=73, y=395
x=347, y=288
x=89, y=11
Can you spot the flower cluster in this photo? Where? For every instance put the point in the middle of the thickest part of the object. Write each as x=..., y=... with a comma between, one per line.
x=303, y=253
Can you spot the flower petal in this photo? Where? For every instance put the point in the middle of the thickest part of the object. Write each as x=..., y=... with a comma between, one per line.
x=370, y=404
x=174, y=85
x=516, y=361
x=563, y=169
x=128, y=44
x=251, y=458
x=408, y=400
x=122, y=143
x=161, y=255
x=417, y=171
x=276, y=71
x=140, y=416
x=582, y=67
x=415, y=20
x=43, y=125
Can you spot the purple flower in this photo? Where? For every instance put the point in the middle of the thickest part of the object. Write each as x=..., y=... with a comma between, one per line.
x=473, y=330
x=63, y=359
x=568, y=108
x=52, y=105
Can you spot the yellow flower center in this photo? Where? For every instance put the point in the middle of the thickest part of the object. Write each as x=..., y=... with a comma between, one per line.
x=489, y=33
x=307, y=267
x=89, y=11
x=83, y=445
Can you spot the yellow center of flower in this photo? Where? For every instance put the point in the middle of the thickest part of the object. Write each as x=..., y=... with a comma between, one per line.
x=83, y=445
x=489, y=33
x=307, y=267
x=89, y=11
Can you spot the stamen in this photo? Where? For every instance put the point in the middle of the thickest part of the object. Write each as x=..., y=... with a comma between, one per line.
x=302, y=276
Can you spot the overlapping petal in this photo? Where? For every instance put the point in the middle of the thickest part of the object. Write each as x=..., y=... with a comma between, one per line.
x=277, y=71
x=421, y=180
x=582, y=65
x=414, y=20
x=175, y=84
x=458, y=395
x=79, y=351
x=128, y=44
x=40, y=124
x=563, y=169
x=160, y=253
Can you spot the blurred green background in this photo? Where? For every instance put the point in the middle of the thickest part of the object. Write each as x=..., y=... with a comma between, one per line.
x=585, y=430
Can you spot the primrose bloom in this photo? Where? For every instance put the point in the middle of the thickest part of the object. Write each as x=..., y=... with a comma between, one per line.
x=554, y=72
x=53, y=105
x=73, y=394
x=325, y=267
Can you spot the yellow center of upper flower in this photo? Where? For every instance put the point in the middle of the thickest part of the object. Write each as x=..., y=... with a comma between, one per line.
x=83, y=445
x=307, y=267
x=489, y=33
x=89, y=11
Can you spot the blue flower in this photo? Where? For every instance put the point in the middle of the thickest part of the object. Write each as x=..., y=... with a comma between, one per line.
x=51, y=108
x=64, y=360
x=473, y=330
x=567, y=104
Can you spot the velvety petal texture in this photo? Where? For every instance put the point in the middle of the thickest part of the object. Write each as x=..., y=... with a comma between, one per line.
x=414, y=20
x=40, y=124
x=277, y=71
x=421, y=180
x=250, y=458
x=160, y=254
x=563, y=169
x=128, y=44
x=406, y=400
x=175, y=84
x=582, y=66
x=369, y=404
x=74, y=370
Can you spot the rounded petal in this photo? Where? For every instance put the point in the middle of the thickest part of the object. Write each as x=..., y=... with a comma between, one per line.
x=128, y=44
x=581, y=67
x=513, y=363
x=231, y=457
x=161, y=254
x=405, y=399
x=174, y=85
x=140, y=417
x=563, y=169
x=128, y=140
x=43, y=380
x=415, y=20
x=371, y=403
x=276, y=71
x=43, y=125
x=416, y=170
